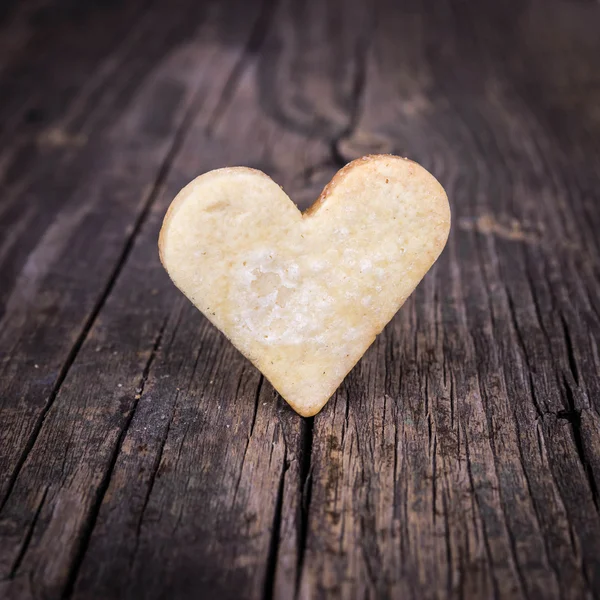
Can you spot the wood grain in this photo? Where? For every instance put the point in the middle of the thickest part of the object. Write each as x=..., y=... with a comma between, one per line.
x=142, y=456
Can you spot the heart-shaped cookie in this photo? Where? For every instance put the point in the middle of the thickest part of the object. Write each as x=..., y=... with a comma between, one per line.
x=303, y=295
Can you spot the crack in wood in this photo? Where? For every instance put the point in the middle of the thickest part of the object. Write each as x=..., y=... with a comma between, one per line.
x=370, y=554
x=521, y=342
x=273, y=552
x=27, y=539
x=157, y=460
x=434, y=482
x=573, y=416
x=305, y=487
x=86, y=533
x=452, y=408
x=536, y=301
x=261, y=380
x=259, y=386
x=540, y=440
x=486, y=541
x=395, y=461
x=570, y=351
x=573, y=539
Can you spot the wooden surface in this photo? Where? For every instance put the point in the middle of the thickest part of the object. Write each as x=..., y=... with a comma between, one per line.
x=142, y=457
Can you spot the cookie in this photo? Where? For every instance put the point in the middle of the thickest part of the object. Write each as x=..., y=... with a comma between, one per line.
x=303, y=295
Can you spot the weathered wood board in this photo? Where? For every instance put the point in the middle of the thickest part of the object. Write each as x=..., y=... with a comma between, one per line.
x=142, y=457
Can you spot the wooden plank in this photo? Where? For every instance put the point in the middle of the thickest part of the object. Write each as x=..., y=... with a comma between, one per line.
x=56, y=282
x=66, y=280
x=96, y=436
x=453, y=462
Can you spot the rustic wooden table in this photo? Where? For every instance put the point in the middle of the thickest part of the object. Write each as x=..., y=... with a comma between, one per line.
x=142, y=457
